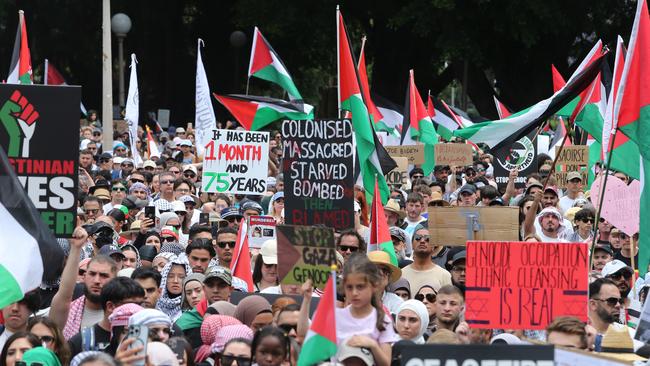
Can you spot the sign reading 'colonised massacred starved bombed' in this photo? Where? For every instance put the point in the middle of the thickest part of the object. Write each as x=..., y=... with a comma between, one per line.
x=236, y=162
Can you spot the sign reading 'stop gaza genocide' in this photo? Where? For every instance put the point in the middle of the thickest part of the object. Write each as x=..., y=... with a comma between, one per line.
x=236, y=162
x=318, y=173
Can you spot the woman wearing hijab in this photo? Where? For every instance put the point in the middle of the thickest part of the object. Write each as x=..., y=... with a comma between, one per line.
x=412, y=320
x=254, y=311
x=171, y=286
x=211, y=324
x=192, y=291
x=40, y=355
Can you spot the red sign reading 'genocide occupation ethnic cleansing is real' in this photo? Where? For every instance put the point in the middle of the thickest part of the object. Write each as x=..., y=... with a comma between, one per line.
x=525, y=285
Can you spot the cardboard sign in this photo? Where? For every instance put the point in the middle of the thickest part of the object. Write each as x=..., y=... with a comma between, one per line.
x=260, y=229
x=456, y=225
x=525, y=285
x=622, y=205
x=453, y=154
x=318, y=172
x=399, y=176
x=561, y=176
x=40, y=134
x=415, y=153
x=236, y=162
x=521, y=156
x=572, y=155
x=476, y=354
x=305, y=252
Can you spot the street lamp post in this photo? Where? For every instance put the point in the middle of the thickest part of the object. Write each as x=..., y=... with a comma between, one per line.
x=120, y=25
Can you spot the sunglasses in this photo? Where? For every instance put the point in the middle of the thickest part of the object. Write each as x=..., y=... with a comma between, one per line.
x=587, y=220
x=166, y=182
x=104, y=160
x=287, y=328
x=612, y=301
x=223, y=244
x=418, y=176
x=168, y=239
x=617, y=276
x=127, y=165
x=118, y=189
x=92, y=211
x=97, y=134
x=241, y=361
x=429, y=297
x=189, y=175
x=421, y=237
x=346, y=248
x=133, y=180
x=46, y=339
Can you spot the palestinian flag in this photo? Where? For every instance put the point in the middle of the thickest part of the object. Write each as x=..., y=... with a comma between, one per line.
x=392, y=118
x=320, y=342
x=375, y=114
x=632, y=115
x=265, y=64
x=442, y=116
x=152, y=146
x=596, y=118
x=417, y=124
x=254, y=113
x=501, y=108
x=558, y=138
x=52, y=76
x=502, y=132
x=374, y=161
x=20, y=69
x=559, y=83
x=29, y=251
x=240, y=266
x=379, y=235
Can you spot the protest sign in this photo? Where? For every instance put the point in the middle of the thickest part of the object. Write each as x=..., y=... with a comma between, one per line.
x=453, y=154
x=621, y=206
x=476, y=354
x=525, y=285
x=399, y=175
x=305, y=252
x=472, y=223
x=521, y=156
x=260, y=229
x=40, y=133
x=415, y=153
x=318, y=172
x=572, y=155
x=573, y=357
x=236, y=162
x=561, y=176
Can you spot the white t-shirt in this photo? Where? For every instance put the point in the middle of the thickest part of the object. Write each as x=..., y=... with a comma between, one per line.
x=566, y=203
x=348, y=326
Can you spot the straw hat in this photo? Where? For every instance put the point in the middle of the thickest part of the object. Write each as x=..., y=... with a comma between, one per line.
x=393, y=206
x=381, y=257
x=618, y=343
x=436, y=200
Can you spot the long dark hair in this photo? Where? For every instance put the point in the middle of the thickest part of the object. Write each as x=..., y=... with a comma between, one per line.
x=522, y=202
x=271, y=331
x=257, y=269
x=61, y=347
x=32, y=339
x=358, y=263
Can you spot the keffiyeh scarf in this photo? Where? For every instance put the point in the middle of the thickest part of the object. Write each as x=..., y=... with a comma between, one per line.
x=166, y=304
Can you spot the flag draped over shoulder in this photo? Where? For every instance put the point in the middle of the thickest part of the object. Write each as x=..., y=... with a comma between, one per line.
x=265, y=64
x=20, y=69
x=417, y=124
x=632, y=115
x=374, y=161
x=29, y=251
x=320, y=342
x=505, y=131
x=240, y=266
x=204, y=118
x=254, y=112
x=379, y=234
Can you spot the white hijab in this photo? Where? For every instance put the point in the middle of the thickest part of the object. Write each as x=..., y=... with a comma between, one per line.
x=421, y=311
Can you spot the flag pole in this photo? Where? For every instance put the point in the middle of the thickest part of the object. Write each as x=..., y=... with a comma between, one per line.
x=338, y=61
x=248, y=80
x=45, y=72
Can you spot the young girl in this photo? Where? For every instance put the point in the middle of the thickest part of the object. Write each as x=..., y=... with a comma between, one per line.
x=271, y=347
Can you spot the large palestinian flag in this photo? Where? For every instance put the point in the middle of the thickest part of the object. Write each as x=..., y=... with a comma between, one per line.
x=29, y=251
x=265, y=64
x=254, y=112
x=505, y=131
x=375, y=114
x=20, y=69
x=320, y=342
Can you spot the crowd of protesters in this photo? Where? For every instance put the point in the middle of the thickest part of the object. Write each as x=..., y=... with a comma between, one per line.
x=170, y=271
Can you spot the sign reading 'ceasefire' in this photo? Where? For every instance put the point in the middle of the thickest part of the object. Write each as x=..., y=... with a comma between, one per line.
x=236, y=162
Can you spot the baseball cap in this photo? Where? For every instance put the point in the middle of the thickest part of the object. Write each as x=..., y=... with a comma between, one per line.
x=458, y=256
x=102, y=193
x=534, y=183
x=178, y=206
x=361, y=353
x=118, y=160
x=191, y=168
x=269, y=252
x=397, y=233
x=128, y=161
x=186, y=142
x=132, y=202
x=220, y=273
x=467, y=188
x=180, y=129
x=251, y=205
x=552, y=189
x=149, y=164
x=231, y=212
x=187, y=199
x=604, y=247
x=97, y=226
x=105, y=155
x=615, y=266
x=277, y=196
x=111, y=250
x=573, y=175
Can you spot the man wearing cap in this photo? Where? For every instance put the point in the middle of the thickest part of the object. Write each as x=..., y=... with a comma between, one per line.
x=603, y=254
x=550, y=197
x=626, y=252
x=620, y=274
x=423, y=271
x=573, y=191
x=191, y=173
x=105, y=162
x=190, y=203
x=389, y=274
x=251, y=208
x=232, y=215
x=457, y=270
x=217, y=284
x=467, y=196
x=186, y=150
x=394, y=213
x=399, y=238
x=115, y=253
x=149, y=166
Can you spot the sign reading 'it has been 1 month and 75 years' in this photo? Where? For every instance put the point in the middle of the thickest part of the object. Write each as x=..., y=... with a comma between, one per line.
x=236, y=162
x=318, y=173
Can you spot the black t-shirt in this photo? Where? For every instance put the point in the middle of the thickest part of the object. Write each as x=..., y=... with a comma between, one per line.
x=626, y=260
x=102, y=340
